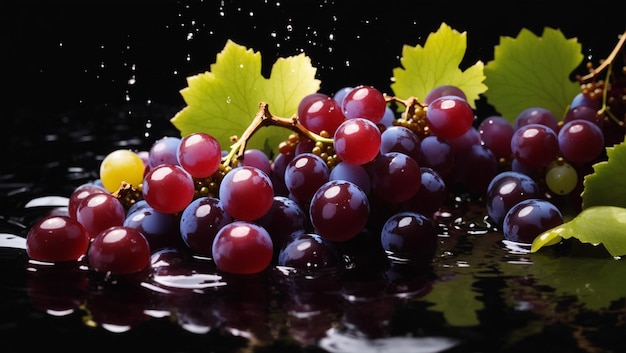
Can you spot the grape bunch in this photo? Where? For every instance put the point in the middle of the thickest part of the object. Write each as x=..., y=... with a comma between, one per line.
x=354, y=169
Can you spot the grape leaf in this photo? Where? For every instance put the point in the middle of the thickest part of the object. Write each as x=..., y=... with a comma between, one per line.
x=594, y=225
x=223, y=101
x=436, y=64
x=532, y=71
x=606, y=186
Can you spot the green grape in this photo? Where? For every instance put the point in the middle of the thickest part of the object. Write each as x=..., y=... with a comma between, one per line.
x=121, y=166
x=561, y=177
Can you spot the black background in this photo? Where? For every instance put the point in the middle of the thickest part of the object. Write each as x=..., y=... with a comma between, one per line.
x=59, y=55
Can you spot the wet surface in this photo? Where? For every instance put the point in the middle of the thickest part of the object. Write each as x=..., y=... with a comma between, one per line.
x=72, y=99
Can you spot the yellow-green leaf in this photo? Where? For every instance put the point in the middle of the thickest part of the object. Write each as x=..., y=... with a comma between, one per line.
x=531, y=71
x=596, y=225
x=224, y=100
x=606, y=186
x=435, y=64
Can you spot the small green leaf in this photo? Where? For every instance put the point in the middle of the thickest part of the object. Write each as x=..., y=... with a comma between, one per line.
x=594, y=225
x=531, y=71
x=224, y=101
x=606, y=186
x=436, y=64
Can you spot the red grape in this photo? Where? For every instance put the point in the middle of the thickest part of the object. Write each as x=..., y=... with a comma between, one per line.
x=119, y=250
x=57, y=239
x=242, y=247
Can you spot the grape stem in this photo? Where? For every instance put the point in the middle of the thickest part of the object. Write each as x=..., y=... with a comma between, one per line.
x=606, y=62
x=264, y=118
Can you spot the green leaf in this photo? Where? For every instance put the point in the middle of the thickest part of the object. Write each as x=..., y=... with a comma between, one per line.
x=224, y=101
x=606, y=186
x=531, y=71
x=594, y=225
x=436, y=64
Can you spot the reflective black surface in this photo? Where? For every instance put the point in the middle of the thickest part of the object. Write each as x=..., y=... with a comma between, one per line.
x=83, y=78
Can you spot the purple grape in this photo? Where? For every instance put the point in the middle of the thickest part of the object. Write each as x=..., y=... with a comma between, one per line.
x=529, y=218
x=534, y=145
x=304, y=174
x=310, y=253
x=506, y=190
x=475, y=167
x=437, y=154
x=160, y=229
x=431, y=195
x=400, y=139
x=200, y=222
x=496, y=133
x=339, y=210
x=351, y=172
x=283, y=221
x=409, y=238
x=395, y=177
x=536, y=115
x=164, y=151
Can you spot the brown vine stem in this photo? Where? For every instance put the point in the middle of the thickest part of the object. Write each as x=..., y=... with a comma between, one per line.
x=264, y=118
x=410, y=104
x=608, y=61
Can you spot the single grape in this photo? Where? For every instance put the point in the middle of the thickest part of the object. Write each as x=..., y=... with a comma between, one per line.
x=99, y=211
x=310, y=253
x=506, y=190
x=470, y=138
x=496, y=133
x=536, y=115
x=341, y=93
x=164, y=151
x=319, y=112
x=529, y=218
x=561, y=177
x=443, y=90
x=449, y=116
x=241, y=247
x=283, y=221
x=389, y=117
x=57, y=239
x=395, y=177
x=357, y=141
x=401, y=139
x=160, y=229
x=79, y=194
x=255, y=157
x=277, y=175
x=352, y=172
x=199, y=154
x=339, y=210
x=475, y=168
x=200, y=222
x=247, y=193
x=409, y=238
x=119, y=250
x=304, y=174
x=430, y=196
x=582, y=99
x=168, y=188
x=581, y=141
x=436, y=153
x=584, y=112
x=365, y=102
x=121, y=166
x=534, y=145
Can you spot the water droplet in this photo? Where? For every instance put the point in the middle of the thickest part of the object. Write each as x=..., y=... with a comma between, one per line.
x=228, y=100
